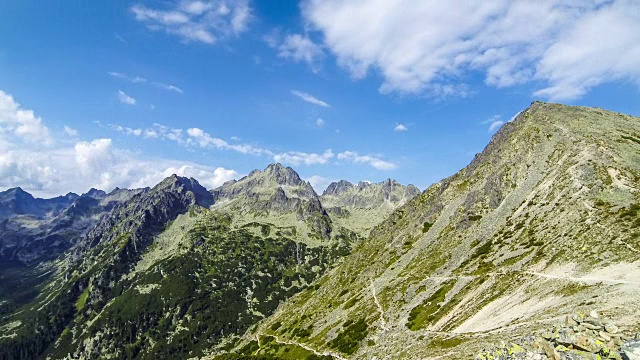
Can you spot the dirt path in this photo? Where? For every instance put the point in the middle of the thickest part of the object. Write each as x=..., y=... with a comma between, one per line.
x=383, y=324
x=304, y=346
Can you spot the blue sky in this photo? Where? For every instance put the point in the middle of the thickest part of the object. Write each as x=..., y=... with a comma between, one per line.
x=123, y=93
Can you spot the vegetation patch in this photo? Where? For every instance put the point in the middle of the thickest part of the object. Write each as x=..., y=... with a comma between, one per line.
x=348, y=340
x=423, y=314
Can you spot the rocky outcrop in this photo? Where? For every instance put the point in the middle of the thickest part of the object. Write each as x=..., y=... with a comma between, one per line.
x=579, y=336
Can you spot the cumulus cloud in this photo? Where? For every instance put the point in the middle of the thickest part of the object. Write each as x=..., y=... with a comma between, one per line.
x=19, y=122
x=319, y=122
x=430, y=46
x=309, y=98
x=197, y=21
x=125, y=99
x=141, y=80
x=50, y=168
x=400, y=128
x=376, y=162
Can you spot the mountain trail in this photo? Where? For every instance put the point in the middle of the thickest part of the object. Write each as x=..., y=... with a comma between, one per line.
x=383, y=324
x=306, y=347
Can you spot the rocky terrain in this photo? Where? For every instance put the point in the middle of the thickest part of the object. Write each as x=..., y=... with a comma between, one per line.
x=542, y=223
x=530, y=252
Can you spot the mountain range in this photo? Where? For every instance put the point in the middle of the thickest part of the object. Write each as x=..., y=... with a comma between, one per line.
x=531, y=251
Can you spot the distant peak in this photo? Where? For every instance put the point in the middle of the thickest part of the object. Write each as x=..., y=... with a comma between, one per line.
x=95, y=193
x=283, y=175
x=16, y=190
x=338, y=187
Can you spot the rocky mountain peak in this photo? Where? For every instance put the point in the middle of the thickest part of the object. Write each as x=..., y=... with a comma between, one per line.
x=95, y=194
x=336, y=188
x=184, y=185
x=283, y=175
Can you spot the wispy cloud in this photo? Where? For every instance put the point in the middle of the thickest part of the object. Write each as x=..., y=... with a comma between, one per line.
x=495, y=125
x=376, y=162
x=141, y=80
x=205, y=140
x=197, y=21
x=568, y=48
x=309, y=98
x=400, y=128
x=196, y=137
x=70, y=131
x=297, y=157
x=297, y=48
x=125, y=99
x=319, y=123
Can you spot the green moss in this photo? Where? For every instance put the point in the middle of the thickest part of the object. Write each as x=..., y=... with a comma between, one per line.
x=426, y=226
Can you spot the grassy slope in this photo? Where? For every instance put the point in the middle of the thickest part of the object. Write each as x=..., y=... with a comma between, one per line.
x=541, y=223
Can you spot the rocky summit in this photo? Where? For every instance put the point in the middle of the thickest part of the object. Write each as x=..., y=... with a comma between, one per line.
x=532, y=251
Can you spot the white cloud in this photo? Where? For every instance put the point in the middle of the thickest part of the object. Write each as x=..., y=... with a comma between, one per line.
x=141, y=80
x=496, y=124
x=297, y=157
x=417, y=48
x=70, y=131
x=300, y=48
x=205, y=140
x=207, y=177
x=80, y=166
x=15, y=121
x=133, y=79
x=373, y=161
x=309, y=98
x=125, y=99
x=319, y=122
x=319, y=183
x=196, y=137
x=198, y=21
x=400, y=128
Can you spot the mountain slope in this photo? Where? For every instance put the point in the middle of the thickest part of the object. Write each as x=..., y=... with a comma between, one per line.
x=363, y=206
x=542, y=223
x=162, y=277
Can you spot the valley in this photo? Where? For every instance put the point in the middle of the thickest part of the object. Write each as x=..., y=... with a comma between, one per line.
x=542, y=225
